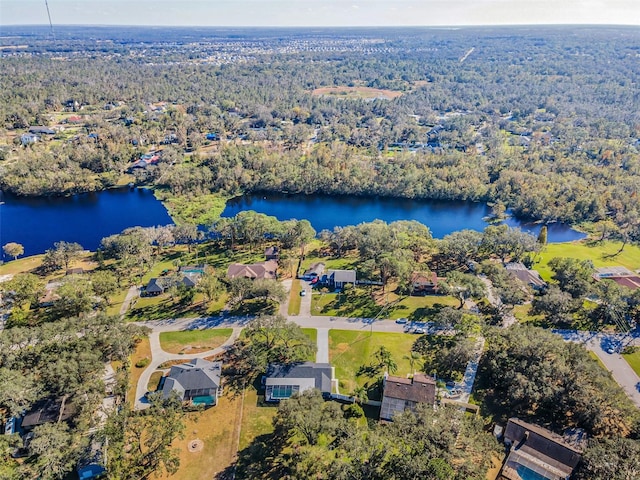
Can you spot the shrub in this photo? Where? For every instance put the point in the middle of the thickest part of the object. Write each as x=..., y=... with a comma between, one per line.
x=143, y=362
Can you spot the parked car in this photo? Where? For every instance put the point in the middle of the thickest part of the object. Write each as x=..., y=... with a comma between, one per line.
x=402, y=321
x=314, y=280
x=303, y=293
x=419, y=331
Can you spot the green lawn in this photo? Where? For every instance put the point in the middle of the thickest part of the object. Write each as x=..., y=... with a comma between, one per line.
x=116, y=302
x=633, y=359
x=362, y=304
x=598, y=253
x=257, y=417
x=349, y=350
x=294, y=298
x=161, y=307
x=421, y=308
x=194, y=341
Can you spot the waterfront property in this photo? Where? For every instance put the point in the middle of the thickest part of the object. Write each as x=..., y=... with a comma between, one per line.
x=283, y=381
x=197, y=382
x=260, y=270
x=530, y=278
x=424, y=283
x=621, y=275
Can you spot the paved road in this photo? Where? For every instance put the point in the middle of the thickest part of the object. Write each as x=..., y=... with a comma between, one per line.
x=601, y=344
x=322, y=355
x=133, y=292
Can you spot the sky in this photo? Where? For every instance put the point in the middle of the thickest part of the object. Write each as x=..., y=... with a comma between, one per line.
x=320, y=12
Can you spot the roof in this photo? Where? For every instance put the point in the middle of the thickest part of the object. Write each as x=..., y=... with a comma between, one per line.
x=155, y=285
x=419, y=389
x=424, y=277
x=51, y=410
x=197, y=374
x=300, y=374
x=526, y=276
x=190, y=279
x=271, y=251
x=607, y=272
x=537, y=447
x=342, y=276
x=259, y=270
x=317, y=268
x=46, y=130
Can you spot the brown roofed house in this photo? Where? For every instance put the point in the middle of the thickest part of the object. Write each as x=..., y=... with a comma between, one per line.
x=52, y=410
x=537, y=452
x=424, y=283
x=261, y=270
x=400, y=394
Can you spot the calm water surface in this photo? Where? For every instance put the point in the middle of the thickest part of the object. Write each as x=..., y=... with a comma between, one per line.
x=326, y=212
x=37, y=223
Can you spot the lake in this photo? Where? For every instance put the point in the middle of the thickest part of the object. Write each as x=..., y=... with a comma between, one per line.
x=441, y=216
x=37, y=223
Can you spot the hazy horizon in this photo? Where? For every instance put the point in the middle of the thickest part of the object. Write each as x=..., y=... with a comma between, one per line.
x=329, y=13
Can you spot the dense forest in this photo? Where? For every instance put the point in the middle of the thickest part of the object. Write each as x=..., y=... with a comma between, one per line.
x=544, y=121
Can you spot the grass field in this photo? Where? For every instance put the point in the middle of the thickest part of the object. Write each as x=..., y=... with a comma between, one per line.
x=598, y=253
x=364, y=306
x=294, y=298
x=356, y=92
x=218, y=428
x=194, y=341
x=349, y=350
x=143, y=350
x=256, y=417
x=633, y=359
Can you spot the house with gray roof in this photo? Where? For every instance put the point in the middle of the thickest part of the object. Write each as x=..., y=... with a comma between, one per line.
x=535, y=452
x=400, y=394
x=339, y=278
x=284, y=380
x=197, y=382
x=528, y=277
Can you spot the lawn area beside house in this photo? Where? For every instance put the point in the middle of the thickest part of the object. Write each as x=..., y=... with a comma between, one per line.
x=218, y=428
x=142, y=351
x=154, y=381
x=194, y=341
x=633, y=359
x=419, y=308
x=162, y=307
x=331, y=263
x=349, y=350
x=294, y=298
x=596, y=252
x=116, y=302
x=257, y=417
x=360, y=303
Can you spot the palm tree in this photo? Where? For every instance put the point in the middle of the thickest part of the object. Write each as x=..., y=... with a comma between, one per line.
x=384, y=357
x=359, y=394
x=413, y=358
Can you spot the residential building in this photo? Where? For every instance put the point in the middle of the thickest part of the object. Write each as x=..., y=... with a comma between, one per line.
x=528, y=277
x=284, y=380
x=621, y=275
x=535, y=452
x=197, y=382
x=51, y=410
x=272, y=253
x=262, y=270
x=400, y=394
x=314, y=270
x=339, y=278
x=28, y=139
x=424, y=283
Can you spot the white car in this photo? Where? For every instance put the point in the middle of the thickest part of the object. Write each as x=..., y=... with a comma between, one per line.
x=303, y=293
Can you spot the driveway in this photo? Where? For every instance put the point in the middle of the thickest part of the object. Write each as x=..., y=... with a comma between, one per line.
x=159, y=356
x=622, y=373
